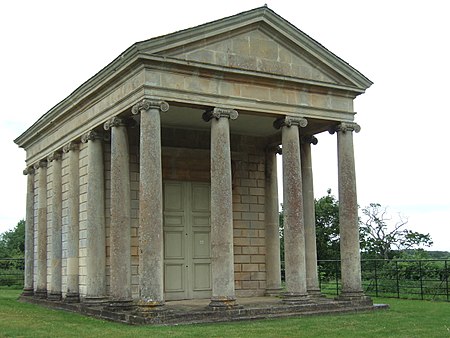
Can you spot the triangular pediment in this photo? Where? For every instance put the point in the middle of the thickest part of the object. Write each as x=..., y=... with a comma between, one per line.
x=259, y=41
x=260, y=51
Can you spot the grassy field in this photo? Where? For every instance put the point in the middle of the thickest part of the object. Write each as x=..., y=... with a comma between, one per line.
x=406, y=318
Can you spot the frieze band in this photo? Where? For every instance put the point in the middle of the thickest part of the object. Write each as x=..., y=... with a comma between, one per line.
x=147, y=104
x=219, y=112
x=289, y=121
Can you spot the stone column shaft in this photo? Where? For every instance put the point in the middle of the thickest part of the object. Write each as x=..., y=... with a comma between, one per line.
x=56, y=231
x=151, y=257
x=120, y=228
x=28, y=289
x=41, y=277
x=348, y=214
x=273, y=264
x=312, y=278
x=294, y=230
x=222, y=259
x=95, y=234
x=73, y=226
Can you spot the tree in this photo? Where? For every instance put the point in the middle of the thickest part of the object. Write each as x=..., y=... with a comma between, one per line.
x=382, y=236
x=12, y=242
x=327, y=227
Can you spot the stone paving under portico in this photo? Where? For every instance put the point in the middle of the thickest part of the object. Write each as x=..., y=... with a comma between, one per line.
x=194, y=311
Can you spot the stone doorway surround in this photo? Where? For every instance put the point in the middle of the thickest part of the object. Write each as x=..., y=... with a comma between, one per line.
x=210, y=104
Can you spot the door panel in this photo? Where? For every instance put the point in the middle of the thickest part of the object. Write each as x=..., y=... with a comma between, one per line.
x=187, y=247
x=202, y=277
x=174, y=245
x=174, y=278
x=201, y=245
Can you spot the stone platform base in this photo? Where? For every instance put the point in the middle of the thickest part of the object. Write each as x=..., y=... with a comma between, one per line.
x=198, y=311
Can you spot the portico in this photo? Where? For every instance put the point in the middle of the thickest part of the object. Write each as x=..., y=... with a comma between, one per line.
x=161, y=182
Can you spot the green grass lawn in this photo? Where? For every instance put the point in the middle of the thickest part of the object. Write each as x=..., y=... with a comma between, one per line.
x=406, y=318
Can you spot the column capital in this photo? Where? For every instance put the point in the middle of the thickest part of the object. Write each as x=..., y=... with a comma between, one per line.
x=93, y=135
x=147, y=104
x=289, y=121
x=117, y=122
x=345, y=127
x=219, y=112
x=72, y=145
x=274, y=148
x=311, y=139
x=28, y=170
x=54, y=156
x=40, y=164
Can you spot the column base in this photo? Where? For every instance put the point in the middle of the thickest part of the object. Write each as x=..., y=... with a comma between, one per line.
x=355, y=297
x=223, y=303
x=28, y=292
x=273, y=292
x=149, y=308
x=54, y=296
x=40, y=294
x=120, y=305
x=295, y=298
x=72, y=298
x=315, y=293
x=94, y=300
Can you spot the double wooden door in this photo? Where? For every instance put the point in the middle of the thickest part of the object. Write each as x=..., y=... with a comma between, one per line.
x=187, y=249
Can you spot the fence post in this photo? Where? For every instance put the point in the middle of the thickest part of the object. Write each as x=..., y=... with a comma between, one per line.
x=376, y=279
x=319, y=271
x=397, y=277
x=336, y=271
x=421, y=282
x=446, y=279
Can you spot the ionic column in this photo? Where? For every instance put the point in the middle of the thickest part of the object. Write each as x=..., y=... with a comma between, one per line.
x=273, y=266
x=73, y=225
x=312, y=277
x=41, y=277
x=120, y=227
x=294, y=229
x=348, y=213
x=151, y=259
x=56, y=231
x=28, y=287
x=222, y=259
x=95, y=235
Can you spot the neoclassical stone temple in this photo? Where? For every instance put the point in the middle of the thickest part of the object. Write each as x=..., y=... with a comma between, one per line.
x=156, y=179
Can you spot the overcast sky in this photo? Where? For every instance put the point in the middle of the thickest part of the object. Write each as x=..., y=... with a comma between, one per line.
x=49, y=48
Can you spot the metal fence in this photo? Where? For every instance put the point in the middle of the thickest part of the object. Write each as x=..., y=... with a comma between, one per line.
x=11, y=272
x=414, y=279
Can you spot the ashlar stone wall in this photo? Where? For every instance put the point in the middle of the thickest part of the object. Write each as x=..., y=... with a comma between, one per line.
x=185, y=157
